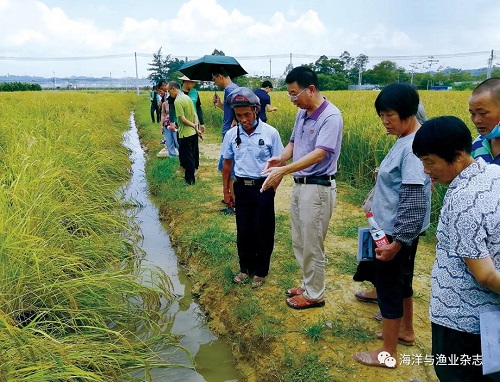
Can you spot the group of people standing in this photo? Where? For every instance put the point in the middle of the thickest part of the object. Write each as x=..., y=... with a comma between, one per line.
x=182, y=124
x=466, y=273
x=465, y=278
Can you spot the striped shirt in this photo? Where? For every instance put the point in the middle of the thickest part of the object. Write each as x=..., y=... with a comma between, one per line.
x=481, y=148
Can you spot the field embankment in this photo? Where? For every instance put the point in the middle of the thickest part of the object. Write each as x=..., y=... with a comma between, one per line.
x=271, y=341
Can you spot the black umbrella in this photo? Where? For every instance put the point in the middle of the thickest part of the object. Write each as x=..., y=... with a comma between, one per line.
x=201, y=69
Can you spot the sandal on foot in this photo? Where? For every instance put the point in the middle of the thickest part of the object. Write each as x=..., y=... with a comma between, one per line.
x=380, y=336
x=378, y=316
x=300, y=302
x=366, y=358
x=294, y=291
x=240, y=278
x=257, y=282
x=361, y=296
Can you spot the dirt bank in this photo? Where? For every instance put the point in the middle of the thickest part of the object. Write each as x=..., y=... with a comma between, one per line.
x=283, y=335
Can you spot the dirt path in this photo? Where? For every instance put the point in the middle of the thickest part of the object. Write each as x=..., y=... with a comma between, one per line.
x=350, y=323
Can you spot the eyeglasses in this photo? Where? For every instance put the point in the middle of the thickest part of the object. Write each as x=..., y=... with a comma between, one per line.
x=296, y=97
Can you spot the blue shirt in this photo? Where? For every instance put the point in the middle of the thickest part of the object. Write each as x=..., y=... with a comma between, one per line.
x=254, y=150
x=228, y=110
x=265, y=100
x=322, y=129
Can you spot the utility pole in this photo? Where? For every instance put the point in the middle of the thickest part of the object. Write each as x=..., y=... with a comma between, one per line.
x=136, y=74
x=270, y=76
x=490, y=65
x=431, y=60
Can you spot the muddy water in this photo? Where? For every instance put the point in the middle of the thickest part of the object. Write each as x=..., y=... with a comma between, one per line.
x=213, y=359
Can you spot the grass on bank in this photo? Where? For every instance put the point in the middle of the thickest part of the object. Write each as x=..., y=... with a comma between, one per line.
x=72, y=302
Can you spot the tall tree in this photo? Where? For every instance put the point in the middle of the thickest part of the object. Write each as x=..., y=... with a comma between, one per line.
x=358, y=67
x=163, y=68
x=156, y=68
x=217, y=52
x=384, y=73
x=347, y=60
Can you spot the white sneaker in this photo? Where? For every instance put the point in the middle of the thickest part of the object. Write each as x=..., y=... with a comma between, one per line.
x=163, y=153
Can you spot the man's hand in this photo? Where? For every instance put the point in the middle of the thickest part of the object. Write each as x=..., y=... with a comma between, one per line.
x=388, y=252
x=276, y=173
x=228, y=199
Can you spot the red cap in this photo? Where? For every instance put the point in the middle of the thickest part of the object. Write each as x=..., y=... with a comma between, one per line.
x=369, y=214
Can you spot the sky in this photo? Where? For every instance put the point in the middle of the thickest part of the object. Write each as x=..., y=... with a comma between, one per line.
x=105, y=38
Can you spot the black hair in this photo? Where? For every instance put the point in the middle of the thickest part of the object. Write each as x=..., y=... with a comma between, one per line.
x=216, y=70
x=304, y=76
x=160, y=83
x=401, y=98
x=442, y=136
x=491, y=85
x=266, y=84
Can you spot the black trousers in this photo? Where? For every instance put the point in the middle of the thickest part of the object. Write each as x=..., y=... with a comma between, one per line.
x=155, y=109
x=454, y=344
x=394, y=280
x=255, y=226
x=187, y=150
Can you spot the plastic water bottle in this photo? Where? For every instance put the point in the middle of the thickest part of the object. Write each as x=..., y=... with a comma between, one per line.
x=378, y=234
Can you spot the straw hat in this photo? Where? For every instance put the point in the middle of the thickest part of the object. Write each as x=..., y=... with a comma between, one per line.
x=184, y=78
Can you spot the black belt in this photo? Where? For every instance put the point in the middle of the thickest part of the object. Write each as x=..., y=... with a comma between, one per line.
x=250, y=181
x=323, y=180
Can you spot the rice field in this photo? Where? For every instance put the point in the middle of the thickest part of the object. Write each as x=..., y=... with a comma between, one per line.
x=72, y=304
x=364, y=142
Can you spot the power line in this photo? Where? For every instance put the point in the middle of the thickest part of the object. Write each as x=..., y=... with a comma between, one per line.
x=267, y=57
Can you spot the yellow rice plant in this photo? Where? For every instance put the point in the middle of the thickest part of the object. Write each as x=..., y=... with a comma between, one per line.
x=72, y=305
x=365, y=142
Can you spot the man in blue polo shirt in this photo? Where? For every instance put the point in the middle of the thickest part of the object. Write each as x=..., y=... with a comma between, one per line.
x=248, y=146
x=484, y=108
x=315, y=149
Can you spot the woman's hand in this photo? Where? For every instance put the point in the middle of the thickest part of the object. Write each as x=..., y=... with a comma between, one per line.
x=388, y=252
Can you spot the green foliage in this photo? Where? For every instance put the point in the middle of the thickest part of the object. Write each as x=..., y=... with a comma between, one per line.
x=315, y=331
x=351, y=329
x=163, y=68
x=19, y=87
x=305, y=369
x=384, y=73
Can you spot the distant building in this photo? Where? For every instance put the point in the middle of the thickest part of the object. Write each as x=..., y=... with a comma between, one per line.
x=363, y=87
x=440, y=87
